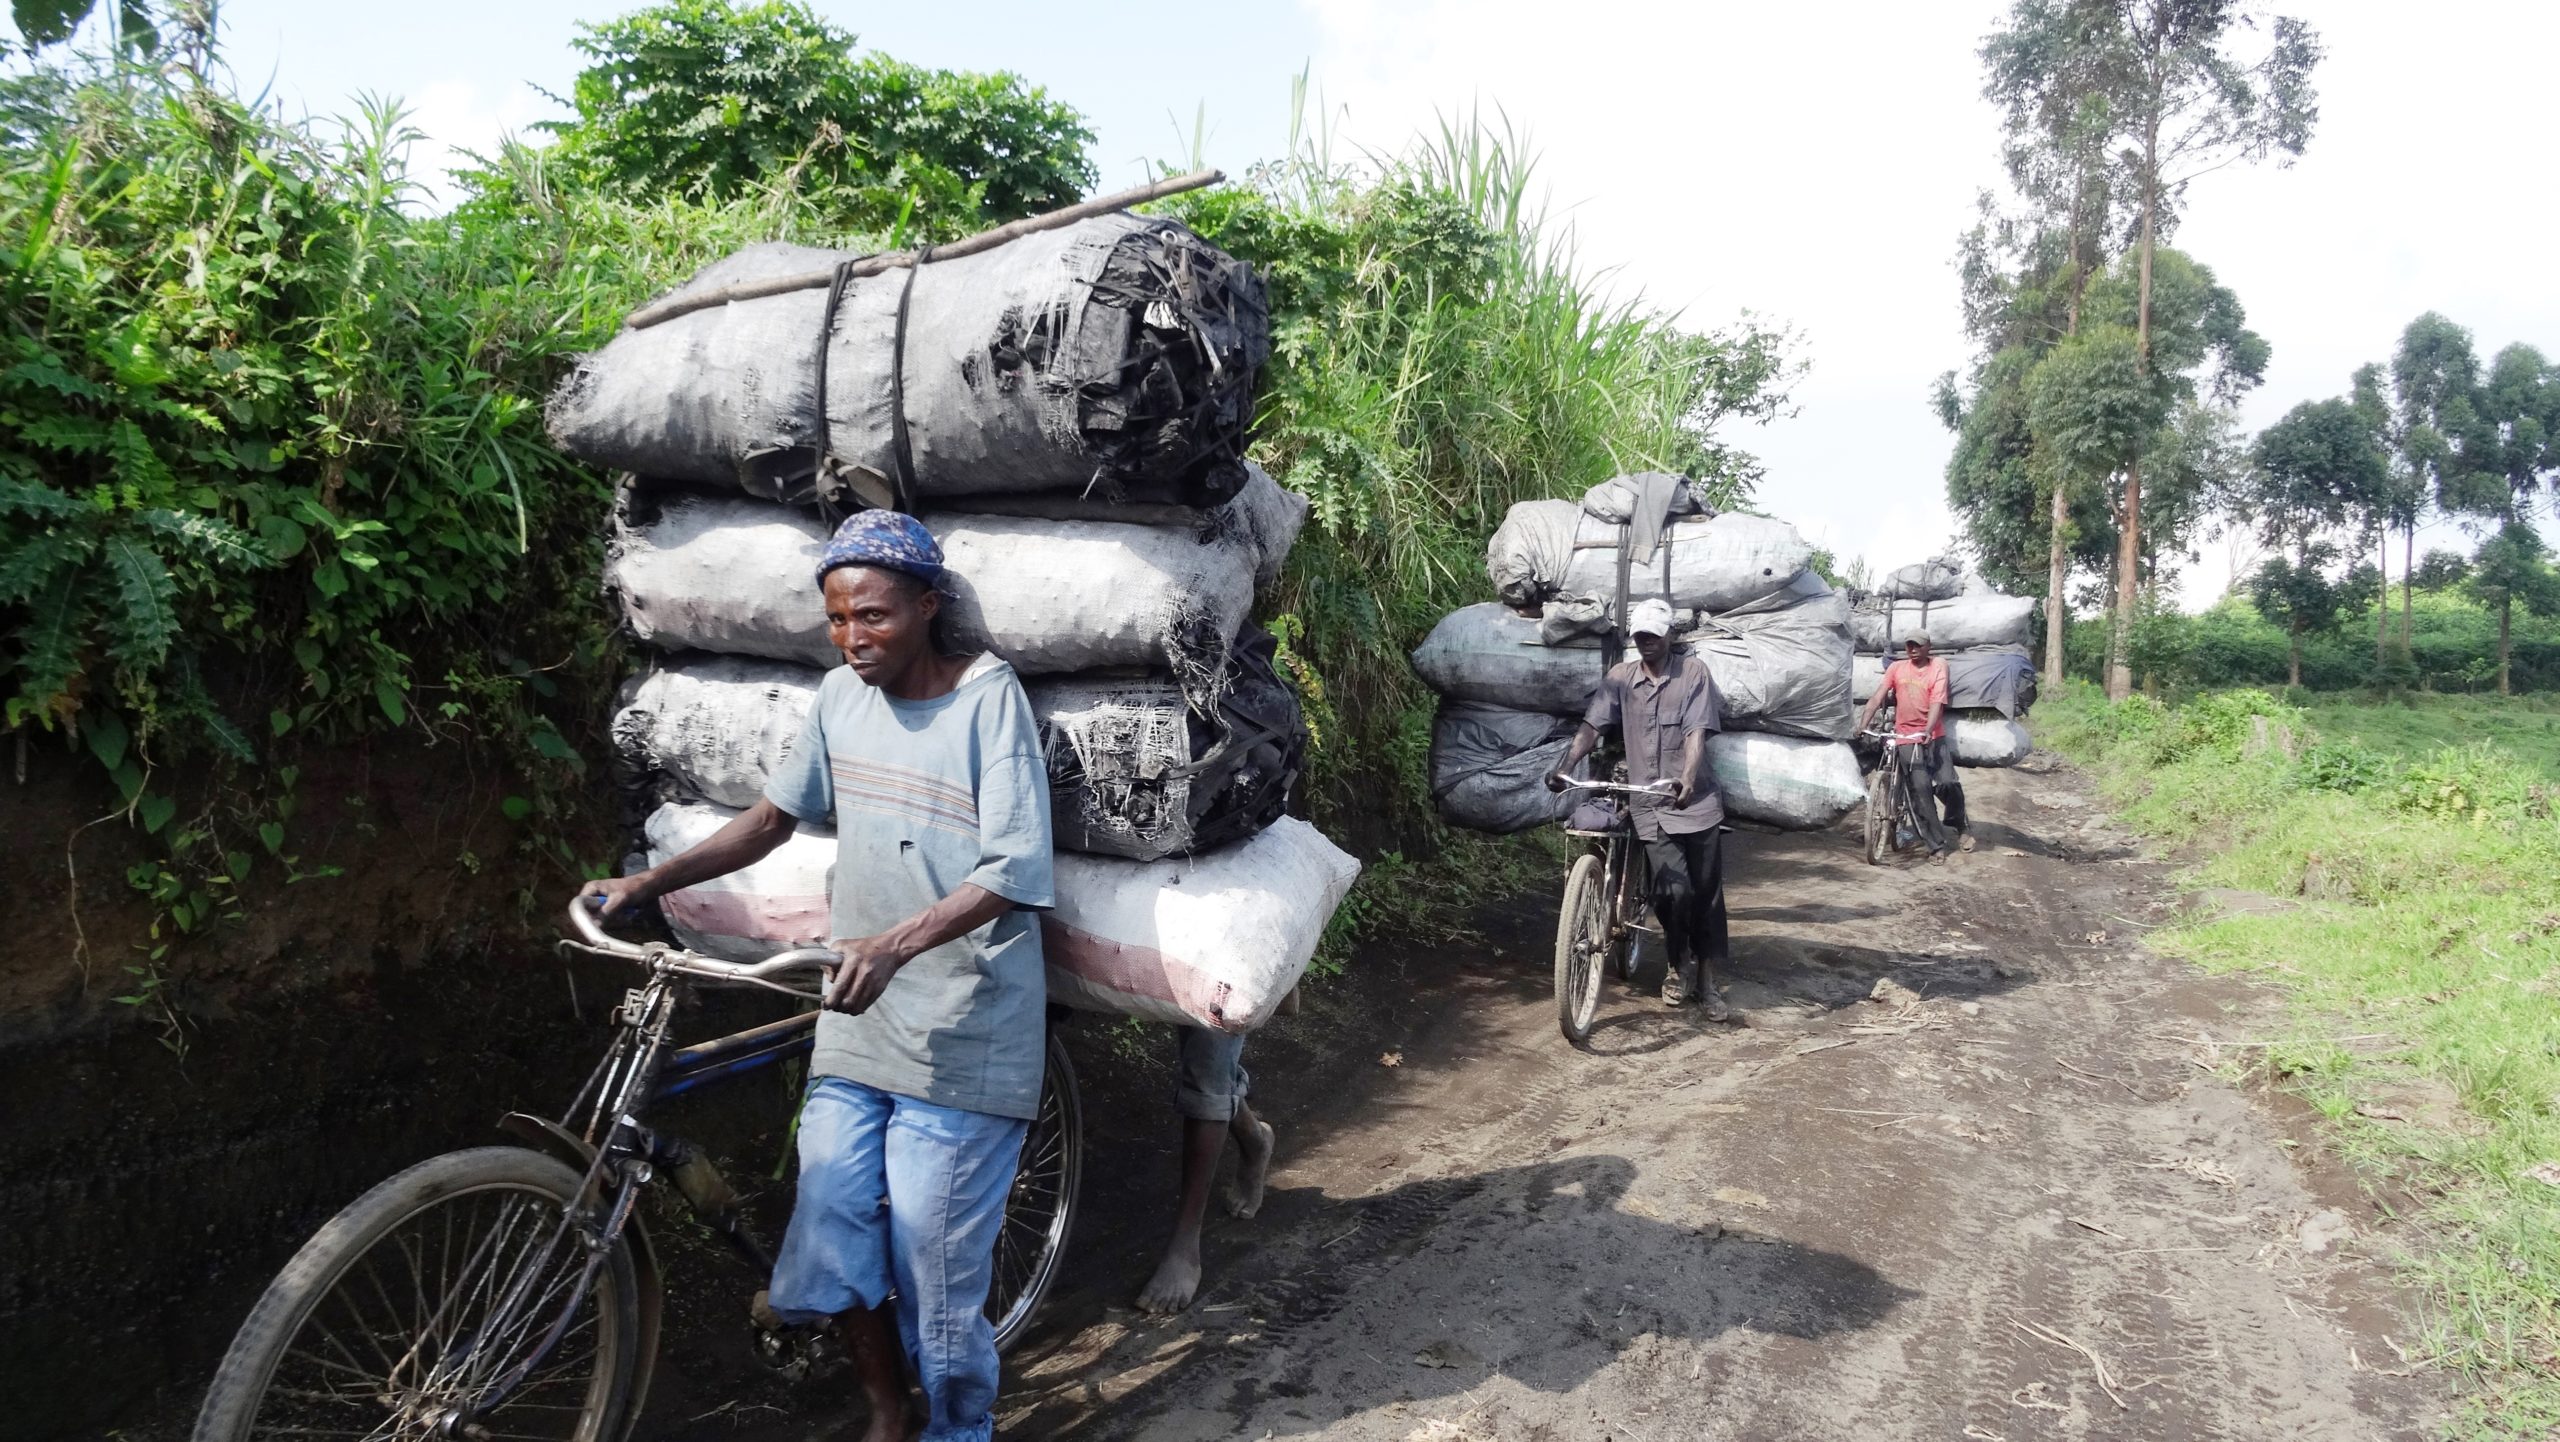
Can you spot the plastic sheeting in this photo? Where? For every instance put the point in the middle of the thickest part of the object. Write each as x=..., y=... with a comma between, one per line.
x=1553, y=548
x=1116, y=356
x=1489, y=766
x=1133, y=770
x=1052, y=597
x=1998, y=678
x=1988, y=739
x=1780, y=664
x=1785, y=781
x=1974, y=619
x=1215, y=940
x=1923, y=581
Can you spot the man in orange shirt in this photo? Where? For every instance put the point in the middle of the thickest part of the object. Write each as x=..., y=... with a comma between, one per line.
x=1917, y=685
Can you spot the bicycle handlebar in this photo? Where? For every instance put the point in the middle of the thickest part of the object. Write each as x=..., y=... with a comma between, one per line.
x=1658, y=788
x=592, y=935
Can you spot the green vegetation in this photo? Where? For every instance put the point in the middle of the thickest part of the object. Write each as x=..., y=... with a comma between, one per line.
x=2452, y=646
x=2423, y=953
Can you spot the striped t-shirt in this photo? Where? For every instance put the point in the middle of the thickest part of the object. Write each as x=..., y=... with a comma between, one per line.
x=927, y=796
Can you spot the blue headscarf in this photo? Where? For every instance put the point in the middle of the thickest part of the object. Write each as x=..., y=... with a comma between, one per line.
x=892, y=540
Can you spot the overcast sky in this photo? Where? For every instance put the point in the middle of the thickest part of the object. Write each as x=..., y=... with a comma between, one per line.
x=1811, y=164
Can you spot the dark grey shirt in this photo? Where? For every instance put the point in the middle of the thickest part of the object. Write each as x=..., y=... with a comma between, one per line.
x=1655, y=717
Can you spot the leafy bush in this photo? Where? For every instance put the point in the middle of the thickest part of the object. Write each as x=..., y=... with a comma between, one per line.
x=2226, y=724
x=2481, y=783
x=2346, y=765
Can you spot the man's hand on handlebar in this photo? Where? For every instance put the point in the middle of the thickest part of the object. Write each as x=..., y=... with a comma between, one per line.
x=1558, y=781
x=870, y=963
x=1678, y=795
x=621, y=894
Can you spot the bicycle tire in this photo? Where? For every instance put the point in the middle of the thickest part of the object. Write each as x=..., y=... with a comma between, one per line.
x=1040, y=1209
x=1630, y=904
x=345, y=1248
x=1581, y=936
x=1881, y=797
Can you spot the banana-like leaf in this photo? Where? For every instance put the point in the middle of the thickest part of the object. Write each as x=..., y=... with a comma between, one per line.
x=215, y=540
x=147, y=621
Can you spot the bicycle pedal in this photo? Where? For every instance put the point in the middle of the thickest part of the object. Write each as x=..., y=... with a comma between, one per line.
x=799, y=1354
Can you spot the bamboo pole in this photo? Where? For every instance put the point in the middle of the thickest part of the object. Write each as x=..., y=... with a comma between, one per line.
x=668, y=309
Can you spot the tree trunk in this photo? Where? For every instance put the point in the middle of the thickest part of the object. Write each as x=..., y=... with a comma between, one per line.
x=2382, y=600
x=2506, y=623
x=2129, y=543
x=2056, y=614
x=2408, y=574
x=2293, y=642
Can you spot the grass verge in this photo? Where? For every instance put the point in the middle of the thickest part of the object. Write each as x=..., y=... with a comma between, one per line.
x=2422, y=949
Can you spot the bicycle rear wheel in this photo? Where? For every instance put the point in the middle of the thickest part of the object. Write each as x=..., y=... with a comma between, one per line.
x=1041, y=1209
x=1582, y=941
x=453, y=1300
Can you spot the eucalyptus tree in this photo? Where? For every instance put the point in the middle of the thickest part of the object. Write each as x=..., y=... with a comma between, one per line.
x=2312, y=472
x=2516, y=458
x=2192, y=90
x=2435, y=386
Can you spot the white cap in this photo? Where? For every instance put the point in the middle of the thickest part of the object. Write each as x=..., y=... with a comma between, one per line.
x=1649, y=617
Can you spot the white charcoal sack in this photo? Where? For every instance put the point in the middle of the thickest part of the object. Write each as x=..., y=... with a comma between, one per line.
x=1998, y=678
x=1923, y=581
x=1987, y=738
x=735, y=576
x=1215, y=940
x=1715, y=563
x=1783, y=781
x=1133, y=770
x=1489, y=767
x=1780, y=665
x=1117, y=355
x=1972, y=620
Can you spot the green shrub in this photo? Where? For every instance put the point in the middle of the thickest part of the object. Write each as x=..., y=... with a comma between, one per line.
x=2344, y=765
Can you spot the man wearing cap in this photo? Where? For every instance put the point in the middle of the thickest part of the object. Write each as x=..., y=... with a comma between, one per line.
x=1665, y=707
x=1917, y=685
x=930, y=1046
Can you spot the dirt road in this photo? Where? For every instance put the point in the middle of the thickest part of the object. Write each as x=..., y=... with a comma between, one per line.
x=2004, y=1201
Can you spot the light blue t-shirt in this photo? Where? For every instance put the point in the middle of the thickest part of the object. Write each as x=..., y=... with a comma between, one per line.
x=927, y=796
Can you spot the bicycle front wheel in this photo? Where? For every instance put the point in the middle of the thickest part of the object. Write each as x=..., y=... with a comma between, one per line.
x=1582, y=942
x=1040, y=1210
x=454, y=1300
x=1882, y=794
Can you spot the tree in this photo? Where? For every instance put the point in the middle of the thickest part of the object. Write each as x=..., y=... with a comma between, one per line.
x=2311, y=472
x=2435, y=379
x=2185, y=102
x=2516, y=451
x=710, y=98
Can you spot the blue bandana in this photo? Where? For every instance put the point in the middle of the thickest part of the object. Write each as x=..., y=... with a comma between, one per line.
x=892, y=540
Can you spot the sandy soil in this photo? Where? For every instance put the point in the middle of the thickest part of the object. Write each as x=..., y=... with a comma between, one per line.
x=2003, y=1201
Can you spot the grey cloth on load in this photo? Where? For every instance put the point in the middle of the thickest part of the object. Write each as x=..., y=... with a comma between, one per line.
x=1545, y=549
x=1972, y=620
x=1621, y=500
x=1987, y=738
x=1782, y=781
x=1781, y=664
x=1133, y=771
x=733, y=575
x=1116, y=356
x=1996, y=678
x=1489, y=767
x=1923, y=581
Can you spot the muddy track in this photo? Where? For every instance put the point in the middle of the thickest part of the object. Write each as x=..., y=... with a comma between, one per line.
x=1881, y=1218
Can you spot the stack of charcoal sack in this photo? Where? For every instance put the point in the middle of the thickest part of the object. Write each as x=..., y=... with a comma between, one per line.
x=1515, y=675
x=1066, y=412
x=1981, y=635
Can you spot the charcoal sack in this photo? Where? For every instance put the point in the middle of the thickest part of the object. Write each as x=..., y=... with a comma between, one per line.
x=1117, y=355
x=1545, y=549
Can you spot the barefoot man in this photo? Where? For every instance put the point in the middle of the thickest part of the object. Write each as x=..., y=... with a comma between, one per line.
x=929, y=1052
x=1209, y=1092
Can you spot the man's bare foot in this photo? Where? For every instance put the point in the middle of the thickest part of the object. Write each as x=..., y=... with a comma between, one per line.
x=1176, y=1281
x=1253, y=1169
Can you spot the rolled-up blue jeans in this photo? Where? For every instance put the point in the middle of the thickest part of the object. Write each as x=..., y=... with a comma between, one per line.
x=899, y=1196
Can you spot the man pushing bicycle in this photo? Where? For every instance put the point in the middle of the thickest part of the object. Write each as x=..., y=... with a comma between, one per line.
x=929, y=1050
x=1917, y=685
x=1665, y=707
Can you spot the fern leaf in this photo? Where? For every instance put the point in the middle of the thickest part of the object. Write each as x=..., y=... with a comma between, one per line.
x=147, y=619
x=34, y=499
x=46, y=370
x=49, y=648
x=29, y=568
x=137, y=464
x=77, y=435
x=216, y=542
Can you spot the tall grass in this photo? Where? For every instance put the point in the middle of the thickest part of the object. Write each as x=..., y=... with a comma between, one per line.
x=2427, y=918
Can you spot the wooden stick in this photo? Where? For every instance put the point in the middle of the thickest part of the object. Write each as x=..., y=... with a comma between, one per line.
x=668, y=309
